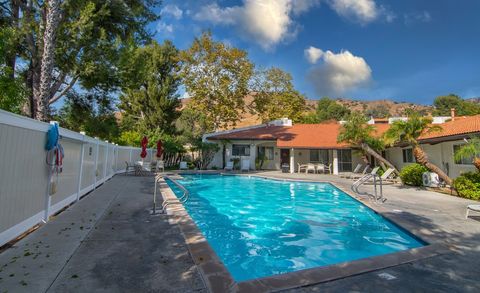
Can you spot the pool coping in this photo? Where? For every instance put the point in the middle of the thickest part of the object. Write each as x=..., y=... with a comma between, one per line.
x=217, y=278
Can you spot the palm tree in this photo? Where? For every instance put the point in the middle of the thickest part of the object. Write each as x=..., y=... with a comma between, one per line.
x=470, y=150
x=357, y=132
x=408, y=132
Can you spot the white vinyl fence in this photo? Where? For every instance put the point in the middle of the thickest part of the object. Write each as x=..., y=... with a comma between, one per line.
x=25, y=199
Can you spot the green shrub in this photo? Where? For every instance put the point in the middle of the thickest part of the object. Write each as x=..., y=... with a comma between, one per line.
x=468, y=185
x=412, y=174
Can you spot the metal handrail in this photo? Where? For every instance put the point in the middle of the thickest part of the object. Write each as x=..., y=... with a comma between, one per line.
x=182, y=199
x=356, y=185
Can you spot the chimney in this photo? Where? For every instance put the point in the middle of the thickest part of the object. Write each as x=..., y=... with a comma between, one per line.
x=452, y=114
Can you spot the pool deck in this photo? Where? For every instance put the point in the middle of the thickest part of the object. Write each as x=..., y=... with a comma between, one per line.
x=109, y=242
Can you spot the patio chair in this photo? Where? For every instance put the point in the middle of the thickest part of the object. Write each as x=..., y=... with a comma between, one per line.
x=472, y=207
x=183, y=165
x=245, y=165
x=310, y=167
x=139, y=171
x=229, y=166
x=302, y=167
x=161, y=166
x=130, y=165
x=374, y=171
x=328, y=169
x=320, y=168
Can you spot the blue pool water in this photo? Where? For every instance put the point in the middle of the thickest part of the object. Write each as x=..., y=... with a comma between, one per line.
x=260, y=227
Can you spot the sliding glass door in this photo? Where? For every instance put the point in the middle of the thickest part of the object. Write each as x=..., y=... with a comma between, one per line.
x=345, y=160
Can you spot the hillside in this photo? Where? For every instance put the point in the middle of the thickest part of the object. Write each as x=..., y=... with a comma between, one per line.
x=394, y=108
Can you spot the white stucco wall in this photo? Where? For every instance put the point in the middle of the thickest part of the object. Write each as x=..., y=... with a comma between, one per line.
x=440, y=154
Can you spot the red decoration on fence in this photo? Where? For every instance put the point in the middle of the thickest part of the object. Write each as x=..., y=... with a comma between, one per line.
x=159, y=149
x=144, y=147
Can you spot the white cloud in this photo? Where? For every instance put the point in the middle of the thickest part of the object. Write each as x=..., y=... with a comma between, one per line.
x=164, y=28
x=419, y=16
x=313, y=54
x=173, y=11
x=268, y=22
x=338, y=73
x=362, y=11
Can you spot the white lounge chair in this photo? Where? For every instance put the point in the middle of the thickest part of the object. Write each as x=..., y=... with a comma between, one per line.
x=472, y=207
x=245, y=165
x=183, y=165
x=365, y=171
x=385, y=176
x=229, y=166
x=310, y=167
x=357, y=170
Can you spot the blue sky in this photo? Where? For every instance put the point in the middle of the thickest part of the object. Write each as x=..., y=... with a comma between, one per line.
x=405, y=50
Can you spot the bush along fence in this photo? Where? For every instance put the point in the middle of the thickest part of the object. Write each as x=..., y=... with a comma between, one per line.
x=35, y=184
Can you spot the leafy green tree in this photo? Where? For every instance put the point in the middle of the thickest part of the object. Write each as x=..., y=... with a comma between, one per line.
x=90, y=112
x=275, y=96
x=470, y=150
x=150, y=86
x=192, y=125
x=443, y=105
x=409, y=132
x=65, y=42
x=310, y=118
x=217, y=78
x=12, y=90
x=328, y=109
x=358, y=133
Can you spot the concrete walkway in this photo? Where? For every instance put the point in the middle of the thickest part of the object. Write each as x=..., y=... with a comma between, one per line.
x=107, y=242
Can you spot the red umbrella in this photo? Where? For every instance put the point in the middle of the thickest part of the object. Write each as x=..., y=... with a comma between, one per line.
x=159, y=149
x=143, y=154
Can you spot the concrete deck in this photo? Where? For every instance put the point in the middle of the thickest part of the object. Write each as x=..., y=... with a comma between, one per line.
x=108, y=242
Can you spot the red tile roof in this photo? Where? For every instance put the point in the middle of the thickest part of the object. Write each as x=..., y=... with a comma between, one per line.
x=324, y=135
x=459, y=126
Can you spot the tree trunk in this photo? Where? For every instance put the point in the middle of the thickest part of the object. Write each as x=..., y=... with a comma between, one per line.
x=476, y=163
x=42, y=96
x=378, y=157
x=422, y=159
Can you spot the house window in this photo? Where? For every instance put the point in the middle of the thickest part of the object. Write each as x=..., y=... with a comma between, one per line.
x=240, y=150
x=408, y=156
x=462, y=161
x=314, y=156
x=319, y=156
x=267, y=152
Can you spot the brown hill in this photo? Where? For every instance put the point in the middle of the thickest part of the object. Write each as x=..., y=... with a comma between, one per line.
x=394, y=108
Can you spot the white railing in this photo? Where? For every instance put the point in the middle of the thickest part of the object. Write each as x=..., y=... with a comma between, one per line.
x=25, y=197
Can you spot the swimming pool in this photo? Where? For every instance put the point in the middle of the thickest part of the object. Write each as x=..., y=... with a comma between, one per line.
x=261, y=227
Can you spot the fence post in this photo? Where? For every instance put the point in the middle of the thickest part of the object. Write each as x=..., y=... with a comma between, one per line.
x=80, y=169
x=96, y=165
x=106, y=163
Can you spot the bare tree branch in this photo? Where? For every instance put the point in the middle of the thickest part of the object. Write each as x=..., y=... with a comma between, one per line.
x=64, y=91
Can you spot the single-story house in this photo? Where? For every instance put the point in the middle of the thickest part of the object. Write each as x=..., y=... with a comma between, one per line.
x=281, y=142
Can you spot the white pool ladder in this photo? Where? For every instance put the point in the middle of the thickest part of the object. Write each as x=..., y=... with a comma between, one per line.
x=377, y=187
x=183, y=199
